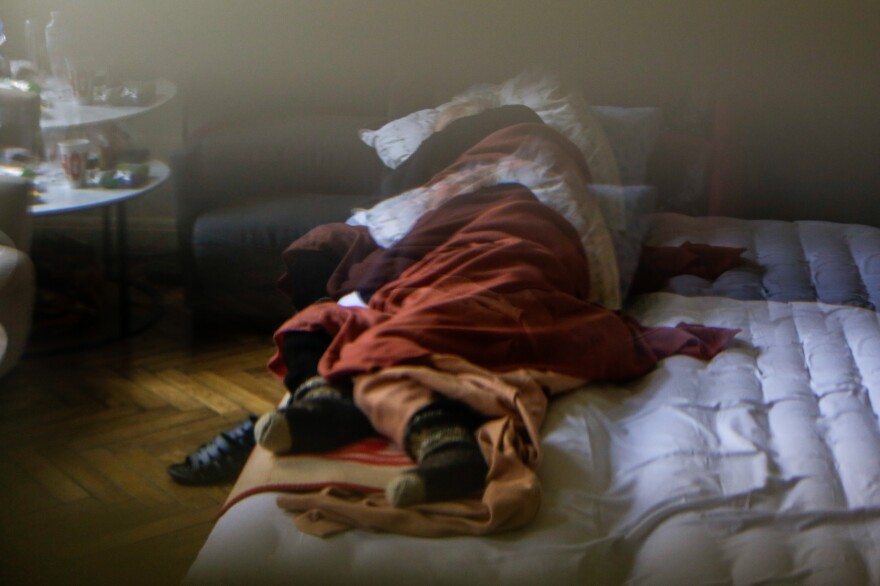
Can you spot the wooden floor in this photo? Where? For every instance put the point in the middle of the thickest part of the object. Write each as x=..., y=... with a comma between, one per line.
x=85, y=438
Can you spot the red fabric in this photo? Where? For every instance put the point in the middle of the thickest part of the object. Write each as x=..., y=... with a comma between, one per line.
x=659, y=263
x=486, y=302
x=340, y=248
x=501, y=281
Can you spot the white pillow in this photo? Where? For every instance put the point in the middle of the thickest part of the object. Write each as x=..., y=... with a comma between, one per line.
x=400, y=138
x=570, y=114
x=559, y=188
x=566, y=112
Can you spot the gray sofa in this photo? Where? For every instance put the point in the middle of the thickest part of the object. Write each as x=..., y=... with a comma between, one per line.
x=244, y=192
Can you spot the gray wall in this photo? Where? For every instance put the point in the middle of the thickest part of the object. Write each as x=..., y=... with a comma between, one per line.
x=802, y=75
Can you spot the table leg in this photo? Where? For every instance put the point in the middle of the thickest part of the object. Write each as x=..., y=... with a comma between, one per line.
x=107, y=243
x=122, y=267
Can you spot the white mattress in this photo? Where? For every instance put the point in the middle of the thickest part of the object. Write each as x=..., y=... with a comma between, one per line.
x=759, y=467
x=784, y=261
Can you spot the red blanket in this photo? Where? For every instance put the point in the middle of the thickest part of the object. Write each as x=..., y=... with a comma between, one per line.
x=484, y=301
x=486, y=305
x=495, y=278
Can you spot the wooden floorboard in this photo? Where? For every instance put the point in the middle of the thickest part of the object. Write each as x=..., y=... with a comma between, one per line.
x=86, y=436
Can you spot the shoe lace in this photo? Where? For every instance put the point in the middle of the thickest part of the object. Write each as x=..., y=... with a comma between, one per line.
x=225, y=444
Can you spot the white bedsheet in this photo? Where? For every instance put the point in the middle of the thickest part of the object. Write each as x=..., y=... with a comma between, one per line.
x=759, y=467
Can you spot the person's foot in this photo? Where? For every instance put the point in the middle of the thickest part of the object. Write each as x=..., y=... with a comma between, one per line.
x=448, y=473
x=219, y=461
x=450, y=465
x=320, y=417
x=312, y=426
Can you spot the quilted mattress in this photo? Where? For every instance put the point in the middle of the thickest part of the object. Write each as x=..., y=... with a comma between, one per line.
x=760, y=466
x=785, y=261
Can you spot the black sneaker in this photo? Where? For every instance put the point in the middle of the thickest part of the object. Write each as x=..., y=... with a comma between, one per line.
x=218, y=461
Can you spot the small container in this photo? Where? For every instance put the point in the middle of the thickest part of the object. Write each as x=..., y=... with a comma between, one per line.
x=59, y=40
x=74, y=160
x=81, y=73
x=5, y=68
x=34, y=42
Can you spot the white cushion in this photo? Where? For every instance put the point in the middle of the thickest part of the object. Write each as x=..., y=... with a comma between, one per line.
x=558, y=188
x=400, y=138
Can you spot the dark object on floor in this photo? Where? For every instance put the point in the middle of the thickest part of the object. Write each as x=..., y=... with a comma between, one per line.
x=218, y=461
x=70, y=283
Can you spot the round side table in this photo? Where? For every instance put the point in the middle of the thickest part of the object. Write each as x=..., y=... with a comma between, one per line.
x=64, y=113
x=57, y=197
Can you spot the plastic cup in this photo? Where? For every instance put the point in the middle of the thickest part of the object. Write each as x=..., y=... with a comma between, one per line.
x=74, y=156
x=81, y=73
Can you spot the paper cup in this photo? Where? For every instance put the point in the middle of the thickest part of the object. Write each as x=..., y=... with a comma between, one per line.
x=74, y=156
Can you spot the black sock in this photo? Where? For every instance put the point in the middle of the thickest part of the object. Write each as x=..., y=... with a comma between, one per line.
x=450, y=465
x=321, y=416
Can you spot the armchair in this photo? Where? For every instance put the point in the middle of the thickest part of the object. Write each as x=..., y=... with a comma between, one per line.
x=17, y=279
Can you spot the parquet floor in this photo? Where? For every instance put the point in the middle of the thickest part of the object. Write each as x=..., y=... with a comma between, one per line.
x=84, y=441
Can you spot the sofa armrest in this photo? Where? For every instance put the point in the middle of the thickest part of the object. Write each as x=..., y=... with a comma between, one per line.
x=296, y=154
x=14, y=219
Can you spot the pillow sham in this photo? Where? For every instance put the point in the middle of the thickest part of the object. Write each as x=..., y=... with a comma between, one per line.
x=396, y=141
x=627, y=211
x=560, y=188
x=566, y=112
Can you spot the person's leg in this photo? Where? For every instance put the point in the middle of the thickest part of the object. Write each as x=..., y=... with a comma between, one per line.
x=320, y=417
x=449, y=464
x=437, y=433
x=221, y=460
x=321, y=414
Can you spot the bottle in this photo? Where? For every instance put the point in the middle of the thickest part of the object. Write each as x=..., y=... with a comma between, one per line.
x=5, y=70
x=58, y=44
x=33, y=44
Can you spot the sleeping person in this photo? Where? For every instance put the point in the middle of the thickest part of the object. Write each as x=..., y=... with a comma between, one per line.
x=482, y=290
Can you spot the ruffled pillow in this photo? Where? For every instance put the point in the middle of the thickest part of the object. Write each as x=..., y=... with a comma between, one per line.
x=400, y=138
x=560, y=188
x=562, y=110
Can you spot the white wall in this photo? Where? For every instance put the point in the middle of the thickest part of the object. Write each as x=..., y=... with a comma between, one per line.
x=803, y=74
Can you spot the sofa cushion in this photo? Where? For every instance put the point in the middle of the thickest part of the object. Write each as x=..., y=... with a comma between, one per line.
x=238, y=251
